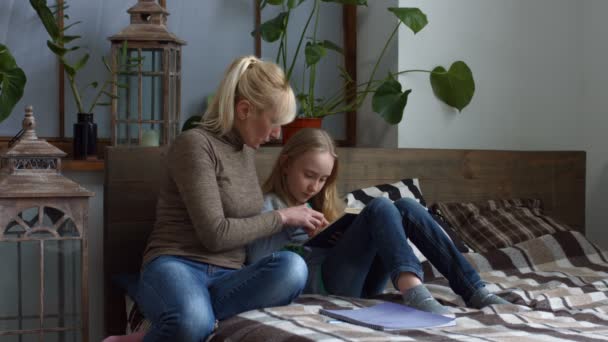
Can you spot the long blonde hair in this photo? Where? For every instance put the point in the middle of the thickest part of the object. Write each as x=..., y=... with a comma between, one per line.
x=305, y=140
x=262, y=83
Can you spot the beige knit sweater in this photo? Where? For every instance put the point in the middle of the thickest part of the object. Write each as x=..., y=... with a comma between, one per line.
x=210, y=201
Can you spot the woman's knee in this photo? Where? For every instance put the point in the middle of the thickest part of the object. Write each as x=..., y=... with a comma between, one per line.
x=195, y=323
x=293, y=269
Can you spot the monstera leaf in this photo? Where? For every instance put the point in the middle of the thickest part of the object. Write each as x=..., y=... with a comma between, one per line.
x=456, y=86
x=389, y=101
x=12, y=83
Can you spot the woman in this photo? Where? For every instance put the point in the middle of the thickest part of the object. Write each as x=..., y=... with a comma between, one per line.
x=208, y=211
x=374, y=248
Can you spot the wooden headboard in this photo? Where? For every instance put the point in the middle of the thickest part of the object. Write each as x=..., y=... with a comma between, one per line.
x=132, y=177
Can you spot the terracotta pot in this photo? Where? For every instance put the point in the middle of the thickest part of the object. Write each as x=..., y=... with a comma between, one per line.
x=299, y=123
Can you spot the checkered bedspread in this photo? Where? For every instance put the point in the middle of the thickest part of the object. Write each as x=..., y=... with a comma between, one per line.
x=559, y=282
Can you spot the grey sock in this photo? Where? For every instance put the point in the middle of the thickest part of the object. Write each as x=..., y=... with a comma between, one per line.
x=419, y=297
x=482, y=298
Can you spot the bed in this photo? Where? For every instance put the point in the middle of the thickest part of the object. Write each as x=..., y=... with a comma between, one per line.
x=558, y=278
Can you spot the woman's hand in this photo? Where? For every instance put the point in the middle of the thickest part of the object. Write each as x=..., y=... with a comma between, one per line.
x=302, y=216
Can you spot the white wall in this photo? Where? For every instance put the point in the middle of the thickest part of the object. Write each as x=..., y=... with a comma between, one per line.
x=539, y=68
x=593, y=105
x=526, y=61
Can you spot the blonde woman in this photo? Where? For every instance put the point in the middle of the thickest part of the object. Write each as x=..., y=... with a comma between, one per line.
x=209, y=208
x=374, y=248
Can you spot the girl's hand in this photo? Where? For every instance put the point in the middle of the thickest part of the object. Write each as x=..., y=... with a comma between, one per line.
x=302, y=216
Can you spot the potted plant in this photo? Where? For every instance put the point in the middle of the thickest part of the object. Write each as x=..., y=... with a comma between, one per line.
x=12, y=83
x=85, y=130
x=454, y=86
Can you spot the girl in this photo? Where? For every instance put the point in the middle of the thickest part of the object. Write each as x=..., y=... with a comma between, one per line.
x=374, y=248
x=208, y=210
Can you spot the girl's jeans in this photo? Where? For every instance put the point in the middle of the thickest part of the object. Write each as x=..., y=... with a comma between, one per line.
x=374, y=249
x=183, y=298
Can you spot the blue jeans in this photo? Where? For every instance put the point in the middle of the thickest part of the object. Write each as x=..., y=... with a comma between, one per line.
x=183, y=298
x=374, y=249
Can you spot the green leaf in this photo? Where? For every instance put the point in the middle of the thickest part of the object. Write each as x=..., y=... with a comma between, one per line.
x=349, y=2
x=12, y=83
x=413, y=18
x=68, y=68
x=94, y=84
x=71, y=25
x=191, y=122
x=314, y=53
x=389, y=101
x=331, y=46
x=455, y=87
x=275, y=2
x=67, y=39
x=103, y=104
x=58, y=50
x=110, y=95
x=122, y=85
x=47, y=18
x=81, y=62
x=271, y=30
x=105, y=63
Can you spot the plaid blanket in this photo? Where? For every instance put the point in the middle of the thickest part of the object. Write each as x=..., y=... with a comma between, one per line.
x=559, y=283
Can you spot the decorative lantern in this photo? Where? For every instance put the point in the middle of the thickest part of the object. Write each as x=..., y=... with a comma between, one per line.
x=147, y=91
x=43, y=244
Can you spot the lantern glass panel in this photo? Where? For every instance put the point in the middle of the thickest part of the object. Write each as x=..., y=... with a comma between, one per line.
x=152, y=60
x=127, y=134
x=14, y=230
x=30, y=216
x=133, y=134
x=121, y=134
x=152, y=101
x=123, y=98
x=132, y=97
x=68, y=229
x=20, y=293
x=62, y=276
x=51, y=217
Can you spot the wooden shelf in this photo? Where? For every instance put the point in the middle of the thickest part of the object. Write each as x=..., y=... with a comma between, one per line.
x=89, y=165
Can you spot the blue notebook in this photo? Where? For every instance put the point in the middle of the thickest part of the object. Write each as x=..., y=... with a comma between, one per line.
x=390, y=316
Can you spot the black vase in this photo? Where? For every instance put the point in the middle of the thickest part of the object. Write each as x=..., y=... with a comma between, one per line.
x=85, y=136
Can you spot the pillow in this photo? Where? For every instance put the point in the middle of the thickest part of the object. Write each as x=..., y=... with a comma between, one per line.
x=403, y=189
x=494, y=224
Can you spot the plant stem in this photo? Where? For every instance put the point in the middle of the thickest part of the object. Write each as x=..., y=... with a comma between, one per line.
x=103, y=87
x=284, y=43
x=371, y=77
x=414, y=70
x=293, y=60
x=76, y=94
x=313, y=68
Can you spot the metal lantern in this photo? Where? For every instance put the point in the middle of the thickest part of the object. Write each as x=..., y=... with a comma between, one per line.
x=43, y=244
x=147, y=89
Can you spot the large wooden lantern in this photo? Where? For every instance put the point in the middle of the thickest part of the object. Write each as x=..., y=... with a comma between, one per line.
x=43, y=244
x=147, y=92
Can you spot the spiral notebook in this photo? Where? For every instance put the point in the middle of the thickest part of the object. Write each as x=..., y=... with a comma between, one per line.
x=390, y=316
